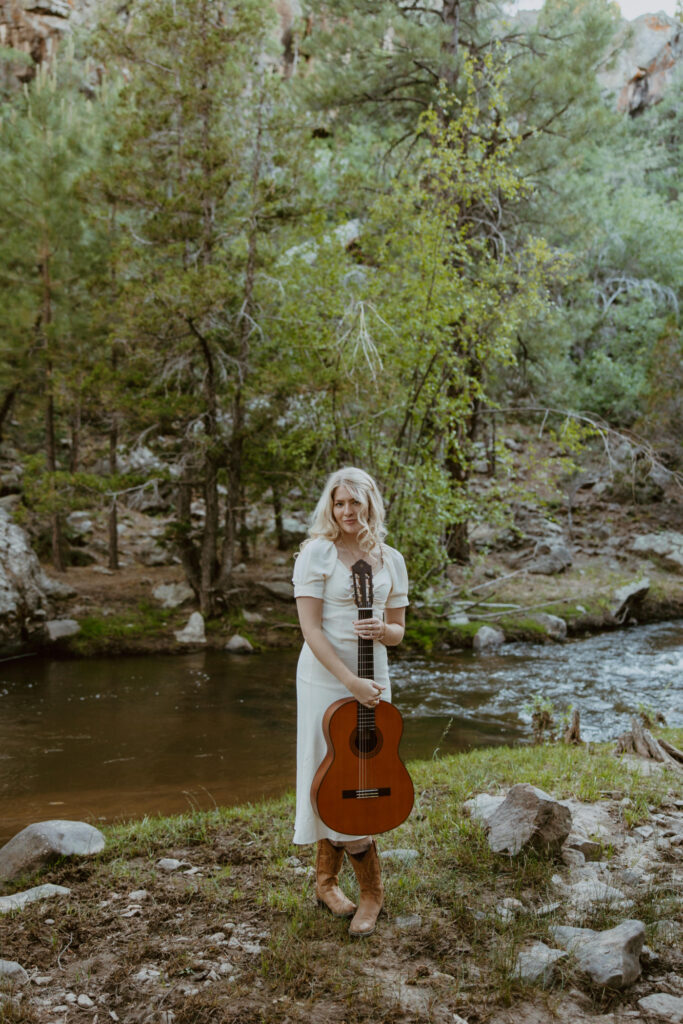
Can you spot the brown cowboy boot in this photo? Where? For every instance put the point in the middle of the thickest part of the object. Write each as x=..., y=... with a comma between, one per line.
x=328, y=862
x=366, y=866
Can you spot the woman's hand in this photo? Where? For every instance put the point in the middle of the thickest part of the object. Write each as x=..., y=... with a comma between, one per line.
x=370, y=629
x=366, y=691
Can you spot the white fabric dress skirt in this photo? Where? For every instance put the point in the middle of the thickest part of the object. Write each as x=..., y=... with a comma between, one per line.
x=318, y=572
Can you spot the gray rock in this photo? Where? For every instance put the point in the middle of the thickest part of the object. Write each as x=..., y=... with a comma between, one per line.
x=486, y=638
x=23, y=584
x=253, y=618
x=627, y=599
x=172, y=595
x=573, y=858
x=528, y=817
x=663, y=1006
x=60, y=629
x=482, y=806
x=13, y=972
x=588, y=892
x=85, y=1001
x=239, y=645
x=611, y=958
x=538, y=964
x=644, y=57
x=405, y=921
x=665, y=547
x=45, y=841
x=193, y=632
x=590, y=848
x=551, y=556
x=18, y=900
x=278, y=588
x=554, y=626
x=400, y=856
x=171, y=864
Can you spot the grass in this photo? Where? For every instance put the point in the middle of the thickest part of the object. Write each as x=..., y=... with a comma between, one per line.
x=101, y=633
x=460, y=953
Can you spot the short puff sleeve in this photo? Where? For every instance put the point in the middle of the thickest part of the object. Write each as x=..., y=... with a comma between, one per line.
x=395, y=563
x=314, y=563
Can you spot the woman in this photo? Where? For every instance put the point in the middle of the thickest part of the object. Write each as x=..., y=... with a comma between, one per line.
x=348, y=524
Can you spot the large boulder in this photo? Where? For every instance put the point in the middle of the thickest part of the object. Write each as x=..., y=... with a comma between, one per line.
x=645, y=58
x=528, y=817
x=24, y=587
x=627, y=599
x=611, y=958
x=39, y=844
x=665, y=547
x=550, y=557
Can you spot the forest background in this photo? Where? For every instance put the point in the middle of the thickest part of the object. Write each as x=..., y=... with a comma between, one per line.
x=372, y=242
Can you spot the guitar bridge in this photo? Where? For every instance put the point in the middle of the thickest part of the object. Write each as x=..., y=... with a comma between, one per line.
x=365, y=794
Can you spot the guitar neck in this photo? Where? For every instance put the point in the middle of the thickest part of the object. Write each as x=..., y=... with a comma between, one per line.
x=366, y=655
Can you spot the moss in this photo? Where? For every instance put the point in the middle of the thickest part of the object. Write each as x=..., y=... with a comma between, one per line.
x=522, y=628
x=100, y=633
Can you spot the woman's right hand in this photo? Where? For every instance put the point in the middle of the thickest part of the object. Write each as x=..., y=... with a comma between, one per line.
x=366, y=691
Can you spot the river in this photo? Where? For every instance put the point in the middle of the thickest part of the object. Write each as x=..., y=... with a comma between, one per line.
x=106, y=739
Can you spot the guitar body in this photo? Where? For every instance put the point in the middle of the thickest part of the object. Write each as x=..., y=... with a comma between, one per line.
x=362, y=786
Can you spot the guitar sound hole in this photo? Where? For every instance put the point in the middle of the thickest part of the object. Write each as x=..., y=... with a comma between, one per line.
x=366, y=743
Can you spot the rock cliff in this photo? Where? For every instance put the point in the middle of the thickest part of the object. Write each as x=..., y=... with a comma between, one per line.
x=646, y=61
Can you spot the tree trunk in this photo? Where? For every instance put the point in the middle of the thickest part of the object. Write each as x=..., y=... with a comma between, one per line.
x=6, y=407
x=113, y=510
x=279, y=528
x=75, y=438
x=186, y=549
x=50, y=441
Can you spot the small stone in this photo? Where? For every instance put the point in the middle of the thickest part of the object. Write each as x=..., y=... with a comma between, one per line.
x=549, y=908
x=239, y=645
x=60, y=629
x=172, y=595
x=85, y=1001
x=538, y=963
x=170, y=864
x=138, y=894
x=573, y=858
x=663, y=1006
x=70, y=997
x=509, y=908
x=194, y=632
x=405, y=921
x=487, y=638
x=10, y=970
x=528, y=817
x=217, y=938
x=252, y=618
x=42, y=979
x=132, y=912
x=276, y=588
x=644, y=831
x=554, y=626
x=147, y=974
x=400, y=856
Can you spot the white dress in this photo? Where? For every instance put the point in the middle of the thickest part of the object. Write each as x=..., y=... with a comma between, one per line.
x=320, y=573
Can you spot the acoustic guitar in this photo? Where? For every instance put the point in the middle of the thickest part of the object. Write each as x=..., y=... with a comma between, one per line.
x=362, y=786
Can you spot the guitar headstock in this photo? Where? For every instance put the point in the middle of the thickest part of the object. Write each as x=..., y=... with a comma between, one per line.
x=361, y=574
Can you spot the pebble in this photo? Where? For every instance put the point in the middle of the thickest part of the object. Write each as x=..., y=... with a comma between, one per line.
x=170, y=864
x=85, y=1001
x=138, y=894
x=147, y=974
x=404, y=921
x=42, y=979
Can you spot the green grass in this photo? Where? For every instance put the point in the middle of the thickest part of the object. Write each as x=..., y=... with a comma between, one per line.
x=100, y=632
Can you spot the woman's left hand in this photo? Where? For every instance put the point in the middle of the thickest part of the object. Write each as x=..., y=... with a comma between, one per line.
x=369, y=629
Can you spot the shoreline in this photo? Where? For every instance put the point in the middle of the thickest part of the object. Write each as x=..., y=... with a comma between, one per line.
x=231, y=931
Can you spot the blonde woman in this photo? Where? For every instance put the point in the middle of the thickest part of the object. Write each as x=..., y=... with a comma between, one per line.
x=348, y=524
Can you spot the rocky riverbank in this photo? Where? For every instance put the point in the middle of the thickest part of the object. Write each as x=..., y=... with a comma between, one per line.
x=607, y=555
x=528, y=886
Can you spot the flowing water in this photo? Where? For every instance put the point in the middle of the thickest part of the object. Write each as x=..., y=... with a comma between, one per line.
x=111, y=738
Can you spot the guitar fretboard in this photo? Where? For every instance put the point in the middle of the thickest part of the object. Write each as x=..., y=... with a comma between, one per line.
x=366, y=670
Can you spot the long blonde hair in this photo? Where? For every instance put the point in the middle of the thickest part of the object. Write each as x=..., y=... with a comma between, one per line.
x=371, y=516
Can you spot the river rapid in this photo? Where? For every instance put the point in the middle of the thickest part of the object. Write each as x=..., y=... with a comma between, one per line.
x=107, y=739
